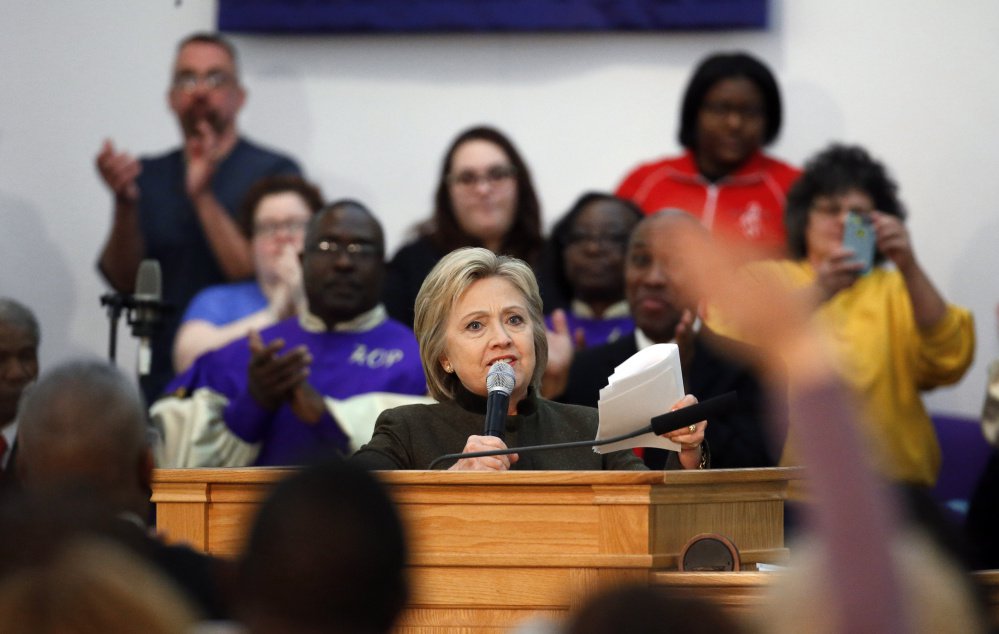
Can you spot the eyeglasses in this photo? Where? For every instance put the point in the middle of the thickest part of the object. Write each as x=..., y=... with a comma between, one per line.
x=722, y=109
x=492, y=176
x=189, y=82
x=834, y=210
x=601, y=240
x=354, y=250
x=271, y=229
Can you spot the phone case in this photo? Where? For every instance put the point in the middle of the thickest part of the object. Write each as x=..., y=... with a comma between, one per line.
x=859, y=236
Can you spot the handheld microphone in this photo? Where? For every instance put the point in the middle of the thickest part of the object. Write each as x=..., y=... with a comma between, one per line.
x=677, y=419
x=499, y=385
x=147, y=298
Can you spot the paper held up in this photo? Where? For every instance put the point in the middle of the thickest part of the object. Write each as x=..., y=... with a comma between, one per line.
x=646, y=385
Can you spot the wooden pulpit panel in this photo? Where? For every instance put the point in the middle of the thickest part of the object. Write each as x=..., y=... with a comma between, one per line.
x=490, y=549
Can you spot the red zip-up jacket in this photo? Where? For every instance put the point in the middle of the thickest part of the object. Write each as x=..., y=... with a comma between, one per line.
x=748, y=204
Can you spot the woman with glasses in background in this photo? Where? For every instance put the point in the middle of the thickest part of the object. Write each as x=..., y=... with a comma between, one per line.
x=584, y=268
x=274, y=216
x=485, y=198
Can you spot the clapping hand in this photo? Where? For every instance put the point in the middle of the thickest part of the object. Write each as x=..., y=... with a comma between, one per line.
x=273, y=377
x=119, y=170
x=203, y=152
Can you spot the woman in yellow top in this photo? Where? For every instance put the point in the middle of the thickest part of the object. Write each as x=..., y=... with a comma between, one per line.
x=891, y=332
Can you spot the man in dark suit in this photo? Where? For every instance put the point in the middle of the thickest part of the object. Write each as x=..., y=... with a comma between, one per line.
x=83, y=435
x=19, y=338
x=664, y=311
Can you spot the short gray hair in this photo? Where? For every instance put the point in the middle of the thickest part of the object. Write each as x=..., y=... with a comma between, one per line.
x=87, y=408
x=215, y=39
x=14, y=313
x=442, y=288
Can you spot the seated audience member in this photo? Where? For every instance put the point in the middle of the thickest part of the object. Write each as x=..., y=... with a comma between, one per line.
x=639, y=609
x=91, y=586
x=983, y=513
x=585, y=268
x=19, y=339
x=274, y=216
x=865, y=571
x=269, y=388
x=893, y=334
x=83, y=432
x=327, y=553
x=731, y=110
x=179, y=208
x=485, y=197
x=664, y=306
x=474, y=309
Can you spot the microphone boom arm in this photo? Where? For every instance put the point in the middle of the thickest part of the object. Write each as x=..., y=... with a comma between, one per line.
x=660, y=425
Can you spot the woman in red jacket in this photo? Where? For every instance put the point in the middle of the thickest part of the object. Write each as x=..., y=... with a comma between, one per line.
x=731, y=110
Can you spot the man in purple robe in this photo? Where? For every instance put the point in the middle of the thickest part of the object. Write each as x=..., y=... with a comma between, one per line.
x=275, y=389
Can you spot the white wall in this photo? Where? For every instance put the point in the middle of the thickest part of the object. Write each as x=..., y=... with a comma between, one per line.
x=370, y=116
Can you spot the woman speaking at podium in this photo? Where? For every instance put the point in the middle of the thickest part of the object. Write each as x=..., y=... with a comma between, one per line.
x=476, y=309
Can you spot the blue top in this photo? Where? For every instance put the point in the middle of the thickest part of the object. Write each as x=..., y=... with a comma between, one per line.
x=385, y=358
x=225, y=303
x=173, y=235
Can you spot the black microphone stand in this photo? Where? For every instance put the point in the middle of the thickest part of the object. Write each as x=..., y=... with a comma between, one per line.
x=118, y=303
x=114, y=302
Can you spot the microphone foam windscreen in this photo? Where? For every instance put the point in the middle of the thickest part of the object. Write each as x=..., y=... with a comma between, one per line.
x=501, y=378
x=148, y=284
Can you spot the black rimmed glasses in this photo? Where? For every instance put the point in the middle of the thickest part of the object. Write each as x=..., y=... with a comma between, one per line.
x=354, y=250
x=189, y=82
x=493, y=176
x=834, y=210
x=271, y=229
x=603, y=240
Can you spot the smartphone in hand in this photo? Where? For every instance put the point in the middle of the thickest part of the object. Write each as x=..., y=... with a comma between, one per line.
x=859, y=237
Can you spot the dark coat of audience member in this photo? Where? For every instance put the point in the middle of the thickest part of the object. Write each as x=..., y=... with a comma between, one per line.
x=62, y=570
x=19, y=339
x=736, y=439
x=640, y=609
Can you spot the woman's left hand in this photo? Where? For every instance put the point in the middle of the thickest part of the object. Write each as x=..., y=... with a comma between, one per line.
x=689, y=438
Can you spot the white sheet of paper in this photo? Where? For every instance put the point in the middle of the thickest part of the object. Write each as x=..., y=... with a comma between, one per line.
x=644, y=386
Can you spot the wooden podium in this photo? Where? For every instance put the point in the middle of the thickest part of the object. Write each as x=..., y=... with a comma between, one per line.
x=489, y=550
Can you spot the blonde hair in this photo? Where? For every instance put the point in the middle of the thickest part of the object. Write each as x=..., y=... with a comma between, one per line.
x=92, y=587
x=442, y=288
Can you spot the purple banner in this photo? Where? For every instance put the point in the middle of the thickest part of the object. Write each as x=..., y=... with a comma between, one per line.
x=458, y=16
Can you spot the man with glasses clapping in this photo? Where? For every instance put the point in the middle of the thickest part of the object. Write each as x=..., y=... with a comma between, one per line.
x=275, y=389
x=179, y=208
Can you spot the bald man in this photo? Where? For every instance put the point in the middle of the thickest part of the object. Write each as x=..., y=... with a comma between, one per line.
x=83, y=431
x=664, y=309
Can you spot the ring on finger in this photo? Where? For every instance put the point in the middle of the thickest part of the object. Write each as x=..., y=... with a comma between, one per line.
x=692, y=428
